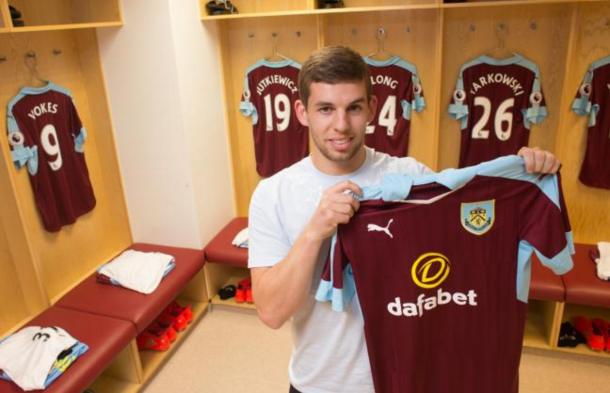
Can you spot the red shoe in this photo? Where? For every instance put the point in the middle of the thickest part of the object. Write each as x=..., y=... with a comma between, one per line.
x=245, y=283
x=176, y=309
x=156, y=328
x=602, y=327
x=167, y=320
x=585, y=327
x=241, y=295
x=249, y=298
x=154, y=341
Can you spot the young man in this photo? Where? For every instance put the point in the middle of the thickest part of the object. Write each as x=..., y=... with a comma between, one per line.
x=294, y=213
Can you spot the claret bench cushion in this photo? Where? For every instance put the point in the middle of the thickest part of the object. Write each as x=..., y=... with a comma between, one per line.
x=220, y=249
x=106, y=338
x=582, y=284
x=117, y=302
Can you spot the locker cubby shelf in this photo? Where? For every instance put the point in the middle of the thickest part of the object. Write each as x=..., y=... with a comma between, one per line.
x=61, y=14
x=219, y=276
x=246, y=10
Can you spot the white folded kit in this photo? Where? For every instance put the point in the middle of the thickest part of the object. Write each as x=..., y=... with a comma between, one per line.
x=241, y=239
x=28, y=355
x=139, y=271
x=603, y=262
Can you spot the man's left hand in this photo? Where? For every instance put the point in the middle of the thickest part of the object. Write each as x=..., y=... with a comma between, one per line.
x=539, y=161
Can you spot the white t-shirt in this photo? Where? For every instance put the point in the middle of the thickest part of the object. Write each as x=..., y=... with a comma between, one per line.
x=28, y=355
x=329, y=352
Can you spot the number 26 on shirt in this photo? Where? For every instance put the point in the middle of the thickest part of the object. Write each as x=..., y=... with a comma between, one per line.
x=503, y=119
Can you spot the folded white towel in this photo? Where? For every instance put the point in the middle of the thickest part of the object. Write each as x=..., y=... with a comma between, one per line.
x=603, y=262
x=241, y=239
x=140, y=271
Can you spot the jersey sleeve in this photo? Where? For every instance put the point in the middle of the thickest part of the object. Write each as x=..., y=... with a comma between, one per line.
x=415, y=96
x=458, y=108
x=337, y=284
x=246, y=107
x=545, y=227
x=268, y=242
x=534, y=108
x=78, y=131
x=23, y=150
x=584, y=102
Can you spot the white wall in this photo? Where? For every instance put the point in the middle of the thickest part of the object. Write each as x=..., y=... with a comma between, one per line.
x=201, y=92
x=168, y=121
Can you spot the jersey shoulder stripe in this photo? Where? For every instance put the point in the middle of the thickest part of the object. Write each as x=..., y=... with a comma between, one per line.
x=600, y=63
x=273, y=64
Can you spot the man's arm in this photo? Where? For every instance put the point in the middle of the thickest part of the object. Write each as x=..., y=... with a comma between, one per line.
x=280, y=290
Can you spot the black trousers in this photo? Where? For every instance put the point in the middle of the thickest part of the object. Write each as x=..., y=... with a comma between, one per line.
x=293, y=390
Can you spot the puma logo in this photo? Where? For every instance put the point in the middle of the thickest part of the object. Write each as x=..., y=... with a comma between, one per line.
x=377, y=228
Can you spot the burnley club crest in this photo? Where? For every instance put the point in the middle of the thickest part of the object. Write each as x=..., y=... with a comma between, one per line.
x=478, y=217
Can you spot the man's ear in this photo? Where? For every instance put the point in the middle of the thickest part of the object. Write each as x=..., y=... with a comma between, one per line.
x=372, y=108
x=301, y=112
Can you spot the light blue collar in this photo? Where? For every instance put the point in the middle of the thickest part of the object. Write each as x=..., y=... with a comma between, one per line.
x=397, y=186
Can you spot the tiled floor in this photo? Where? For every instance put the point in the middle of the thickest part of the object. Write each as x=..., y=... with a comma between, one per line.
x=232, y=351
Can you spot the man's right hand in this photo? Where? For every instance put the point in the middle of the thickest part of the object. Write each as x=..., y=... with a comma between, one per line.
x=337, y=206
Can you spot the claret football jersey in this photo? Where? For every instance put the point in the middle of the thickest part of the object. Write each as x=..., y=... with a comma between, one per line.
x=399, y=91
x=270, y=91
x=46, y=135
x=441, y=267
x=593, y=99
x=496, y=102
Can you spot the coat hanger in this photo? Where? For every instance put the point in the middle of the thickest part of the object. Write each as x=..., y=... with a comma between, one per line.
x=275, y=55
x=32, y=65
x=380, y=54
x=501, y=52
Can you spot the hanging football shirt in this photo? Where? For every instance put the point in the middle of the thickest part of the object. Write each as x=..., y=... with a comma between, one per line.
x=497, y=101
x=398, y=90
x=270, y=91
x=593, y=99
x=441, y=266
x=45, y=133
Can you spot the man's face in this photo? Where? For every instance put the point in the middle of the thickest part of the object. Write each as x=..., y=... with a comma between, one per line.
x=337, y=116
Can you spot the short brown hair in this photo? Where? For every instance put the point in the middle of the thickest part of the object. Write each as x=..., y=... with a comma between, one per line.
x=332, y=65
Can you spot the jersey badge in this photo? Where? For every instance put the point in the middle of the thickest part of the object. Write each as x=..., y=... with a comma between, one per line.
x=16, y=139
x=478, y=217
x=459, y=96
x=377, y=228
x=536, y=98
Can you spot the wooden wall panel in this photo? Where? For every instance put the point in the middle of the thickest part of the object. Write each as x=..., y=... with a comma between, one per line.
x=540, y=33
x=411, y=35
x=5, y=18
x=64, y=258
x=244, y=42
x=14, y=309
x=589, y=207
